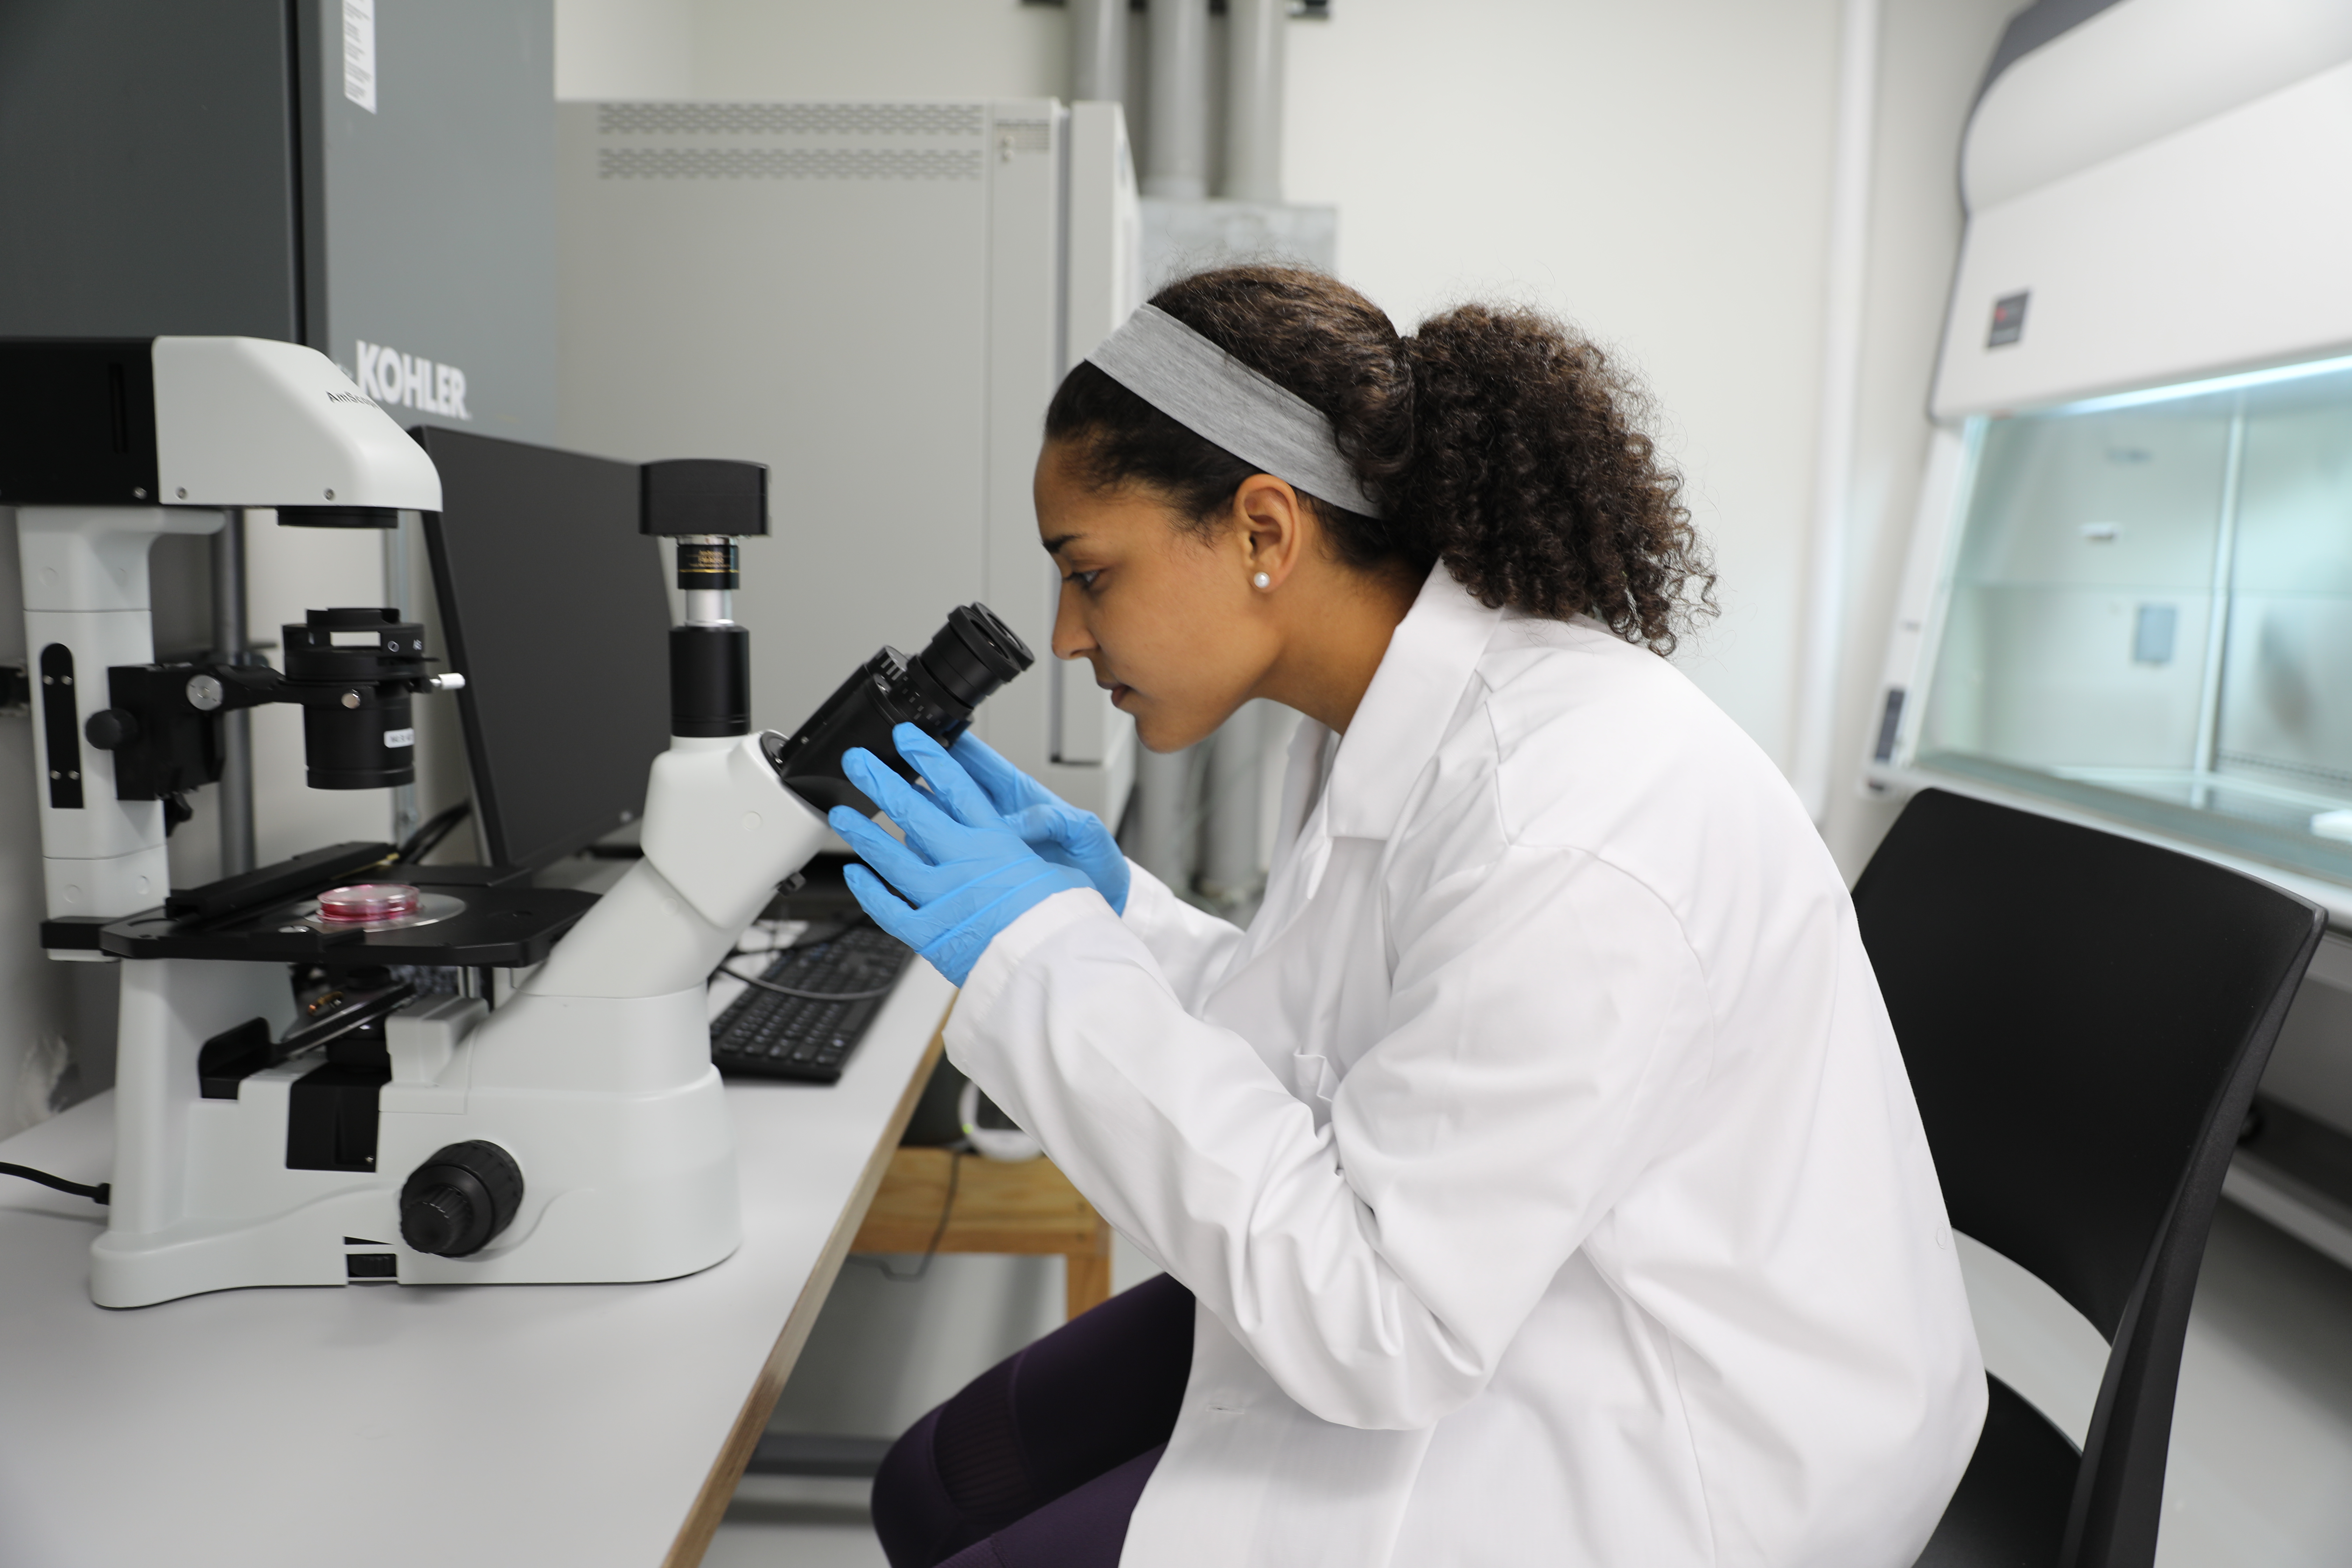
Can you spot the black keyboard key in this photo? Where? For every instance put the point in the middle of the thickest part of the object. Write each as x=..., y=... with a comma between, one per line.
x=770, y=1034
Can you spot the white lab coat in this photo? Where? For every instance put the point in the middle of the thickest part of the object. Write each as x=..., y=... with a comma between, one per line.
x=1541, y=1157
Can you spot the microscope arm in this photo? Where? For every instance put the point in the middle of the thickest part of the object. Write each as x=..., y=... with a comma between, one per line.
x=721, y=831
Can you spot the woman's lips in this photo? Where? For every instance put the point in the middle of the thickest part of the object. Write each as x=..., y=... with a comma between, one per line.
x=1117, y=689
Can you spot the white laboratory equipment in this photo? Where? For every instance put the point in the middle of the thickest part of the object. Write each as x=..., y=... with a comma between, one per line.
x=575, y=1132
x=879, y=300
x=2128, y=598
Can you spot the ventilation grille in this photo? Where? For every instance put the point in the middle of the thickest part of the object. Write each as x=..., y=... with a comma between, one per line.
x=785, y=164
x=1024, y=136
x=789, y=119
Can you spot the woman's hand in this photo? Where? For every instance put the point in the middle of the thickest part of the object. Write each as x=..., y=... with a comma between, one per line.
x=1048, y=824
x=965, y=872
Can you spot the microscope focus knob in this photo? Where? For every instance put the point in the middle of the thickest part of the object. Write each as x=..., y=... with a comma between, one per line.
x=456, y=1202
x=110, y=728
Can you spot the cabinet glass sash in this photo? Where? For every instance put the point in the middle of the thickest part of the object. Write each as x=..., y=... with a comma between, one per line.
x=2149, y=613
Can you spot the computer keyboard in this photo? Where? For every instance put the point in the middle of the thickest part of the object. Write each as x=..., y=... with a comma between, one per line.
x=770, y=1034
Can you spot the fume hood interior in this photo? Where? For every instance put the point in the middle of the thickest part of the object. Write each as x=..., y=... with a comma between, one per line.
x=2148, y=610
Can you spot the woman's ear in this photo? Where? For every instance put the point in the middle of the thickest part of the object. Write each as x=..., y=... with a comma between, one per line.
x=1273, y=523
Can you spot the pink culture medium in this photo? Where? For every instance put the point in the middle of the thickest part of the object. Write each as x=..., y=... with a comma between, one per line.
x=368, y=901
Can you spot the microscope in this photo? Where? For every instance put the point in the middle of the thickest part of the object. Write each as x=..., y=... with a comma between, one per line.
x=577, y=1133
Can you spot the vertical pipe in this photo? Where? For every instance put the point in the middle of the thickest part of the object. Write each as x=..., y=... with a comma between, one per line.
x=229, y=637
x=2217, y=615
x=1229, y=863
x=1176, y=159
x=1098, y=51
x=1163, y=816
x=1253, y=86
x=406, y=812
x=1812, y=753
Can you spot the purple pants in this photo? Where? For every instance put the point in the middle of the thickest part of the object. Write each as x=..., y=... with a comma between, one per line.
x=1039, y=1461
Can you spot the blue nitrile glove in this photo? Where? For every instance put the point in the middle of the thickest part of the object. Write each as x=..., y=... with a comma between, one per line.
x=1059, y=831
x=964, y=873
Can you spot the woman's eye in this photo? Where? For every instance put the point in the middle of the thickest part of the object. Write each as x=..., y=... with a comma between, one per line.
x=1084, y=580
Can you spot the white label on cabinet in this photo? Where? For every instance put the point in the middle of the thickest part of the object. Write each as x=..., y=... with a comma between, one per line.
x=359, y=53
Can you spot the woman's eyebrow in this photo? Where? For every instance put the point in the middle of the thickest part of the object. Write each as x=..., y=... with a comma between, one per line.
x=1053, y=545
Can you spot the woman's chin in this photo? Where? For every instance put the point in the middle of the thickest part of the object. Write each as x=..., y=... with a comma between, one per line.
x=1151, y=733
x=1159, y=735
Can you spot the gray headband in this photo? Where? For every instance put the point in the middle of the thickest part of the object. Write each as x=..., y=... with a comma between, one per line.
x=1214, y=395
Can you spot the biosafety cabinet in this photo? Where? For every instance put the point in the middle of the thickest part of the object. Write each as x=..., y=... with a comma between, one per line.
x=2129, y=594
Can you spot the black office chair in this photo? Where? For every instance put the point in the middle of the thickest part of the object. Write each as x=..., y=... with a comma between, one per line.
x=2084, y=1018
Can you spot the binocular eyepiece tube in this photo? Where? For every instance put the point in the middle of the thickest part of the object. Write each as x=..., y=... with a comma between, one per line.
x=704, y=505
x=937, y=690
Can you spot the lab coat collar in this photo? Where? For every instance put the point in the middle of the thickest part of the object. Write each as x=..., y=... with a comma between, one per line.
x=1397, y=727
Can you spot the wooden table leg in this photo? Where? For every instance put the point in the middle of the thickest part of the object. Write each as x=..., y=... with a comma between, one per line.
x=930, y=1198
x=1088, y=1281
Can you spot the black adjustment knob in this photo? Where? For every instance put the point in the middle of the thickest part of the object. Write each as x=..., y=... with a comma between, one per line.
x=110, y=728
x=438, y=1221
x=456, y=1202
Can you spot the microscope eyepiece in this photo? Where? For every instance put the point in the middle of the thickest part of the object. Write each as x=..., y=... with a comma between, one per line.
x=961, y=667
x=974, y=654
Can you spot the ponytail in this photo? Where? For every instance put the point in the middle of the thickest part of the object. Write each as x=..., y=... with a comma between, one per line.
x=1496, y=441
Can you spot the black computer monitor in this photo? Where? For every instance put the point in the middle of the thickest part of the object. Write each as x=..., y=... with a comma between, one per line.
x=554, y=611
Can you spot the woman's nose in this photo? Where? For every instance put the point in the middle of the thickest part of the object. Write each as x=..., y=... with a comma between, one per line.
x=1070, y=638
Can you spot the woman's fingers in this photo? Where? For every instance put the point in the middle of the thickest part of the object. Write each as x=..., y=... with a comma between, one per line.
x=901, y=865
x=1008, y=787
x=888, y=911
x=928, y=827
x=1045, y=825
x=965, y=799
x=883, y=784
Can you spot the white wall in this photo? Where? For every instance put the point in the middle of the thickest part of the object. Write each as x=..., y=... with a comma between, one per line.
x=1658, y=175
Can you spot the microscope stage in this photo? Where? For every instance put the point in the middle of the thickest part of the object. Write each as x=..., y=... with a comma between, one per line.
x=504, y=927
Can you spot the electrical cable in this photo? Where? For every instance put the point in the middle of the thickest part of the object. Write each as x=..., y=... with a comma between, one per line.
x=808, y=995
x=104, y=1191
x=806, y=941
x=432, y=831
x=938, y=1233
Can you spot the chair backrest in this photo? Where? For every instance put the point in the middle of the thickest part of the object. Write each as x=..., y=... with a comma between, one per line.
x=2084, y=1018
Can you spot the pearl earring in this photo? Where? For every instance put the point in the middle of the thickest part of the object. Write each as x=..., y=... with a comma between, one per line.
x=1263, y=581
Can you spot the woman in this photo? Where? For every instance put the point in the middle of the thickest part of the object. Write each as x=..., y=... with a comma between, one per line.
x=1535, y=1178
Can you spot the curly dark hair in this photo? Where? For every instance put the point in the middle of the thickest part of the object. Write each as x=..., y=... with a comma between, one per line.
x=1496, y=440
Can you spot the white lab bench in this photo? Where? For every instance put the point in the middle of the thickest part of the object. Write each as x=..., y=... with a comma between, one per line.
x=388, y=1425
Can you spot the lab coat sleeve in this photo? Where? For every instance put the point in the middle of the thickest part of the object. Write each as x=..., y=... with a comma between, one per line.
x=1549, y=1026
x=1193, y=947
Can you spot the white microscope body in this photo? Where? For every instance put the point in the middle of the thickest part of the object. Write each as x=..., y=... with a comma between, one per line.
x=610, y=1157
x=595, y=1077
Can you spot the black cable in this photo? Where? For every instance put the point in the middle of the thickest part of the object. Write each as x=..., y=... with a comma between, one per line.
x=807, y=995
x=806, y=940
x=104, y=1191
x=947, y=1211
x=432, y=831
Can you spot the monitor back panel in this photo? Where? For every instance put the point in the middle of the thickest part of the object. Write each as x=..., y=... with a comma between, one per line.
x=554, y=611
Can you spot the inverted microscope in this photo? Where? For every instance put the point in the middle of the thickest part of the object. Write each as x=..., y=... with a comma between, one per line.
x=577, y=1132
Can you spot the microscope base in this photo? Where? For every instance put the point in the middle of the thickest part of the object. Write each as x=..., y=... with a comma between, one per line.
x=613, y=1234
x=609, y=1108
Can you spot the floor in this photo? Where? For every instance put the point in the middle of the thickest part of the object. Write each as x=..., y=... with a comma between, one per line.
x=803, y=1523
x=2262, y=1444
